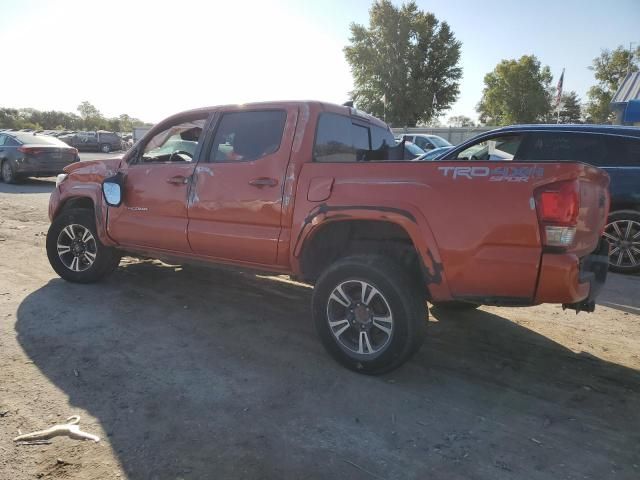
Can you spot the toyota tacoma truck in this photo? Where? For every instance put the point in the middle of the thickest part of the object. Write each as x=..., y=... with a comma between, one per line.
x=320, y=192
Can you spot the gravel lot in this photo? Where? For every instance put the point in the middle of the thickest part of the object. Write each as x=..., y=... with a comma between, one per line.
x=191, y=373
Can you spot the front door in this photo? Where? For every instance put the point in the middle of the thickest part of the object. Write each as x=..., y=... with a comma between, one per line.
x=235, y=203
x=154, y=209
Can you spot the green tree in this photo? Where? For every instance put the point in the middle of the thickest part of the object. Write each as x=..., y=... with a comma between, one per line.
x=516, y=91
x=8, y=117
x=570, y=108
x=92, y=119
x=54, y=120
x=404, y=65
x=609, y=68
x=461, y=121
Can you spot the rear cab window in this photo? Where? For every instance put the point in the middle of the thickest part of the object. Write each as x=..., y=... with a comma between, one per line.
x=345, y=139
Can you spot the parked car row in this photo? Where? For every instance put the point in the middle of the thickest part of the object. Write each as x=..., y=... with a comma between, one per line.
x=98, y=141
x=24, y=154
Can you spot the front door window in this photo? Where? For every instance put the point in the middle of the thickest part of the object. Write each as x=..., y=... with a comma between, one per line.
x=504, y=148
x=174, y=145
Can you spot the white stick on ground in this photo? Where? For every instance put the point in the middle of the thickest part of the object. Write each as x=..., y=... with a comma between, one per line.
x=69, y=429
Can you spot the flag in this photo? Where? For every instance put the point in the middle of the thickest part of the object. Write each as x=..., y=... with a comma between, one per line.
x=559, y=89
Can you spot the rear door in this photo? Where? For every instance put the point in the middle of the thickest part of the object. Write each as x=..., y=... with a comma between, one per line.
x=235, y=204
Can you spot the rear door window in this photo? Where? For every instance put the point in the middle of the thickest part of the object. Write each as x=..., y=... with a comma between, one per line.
x=3, y=138
x=247, y=136
x=548, y=146
x=623, y=152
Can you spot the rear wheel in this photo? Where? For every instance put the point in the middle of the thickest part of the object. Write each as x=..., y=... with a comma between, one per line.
x=105, y=148
x=623, y=234
x=368, y=313
x=75, y=251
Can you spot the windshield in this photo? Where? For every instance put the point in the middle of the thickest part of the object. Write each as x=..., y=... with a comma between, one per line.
x=413, y=148
x=439, y=141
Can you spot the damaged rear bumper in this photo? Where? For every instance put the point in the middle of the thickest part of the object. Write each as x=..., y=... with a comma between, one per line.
x=574, y=282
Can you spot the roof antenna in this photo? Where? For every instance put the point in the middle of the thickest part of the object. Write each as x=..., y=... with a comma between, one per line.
x=348, y=104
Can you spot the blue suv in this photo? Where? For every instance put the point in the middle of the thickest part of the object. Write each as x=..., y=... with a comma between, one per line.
x=615, y=149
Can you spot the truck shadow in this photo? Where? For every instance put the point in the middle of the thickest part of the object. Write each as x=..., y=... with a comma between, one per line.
x=193, y=371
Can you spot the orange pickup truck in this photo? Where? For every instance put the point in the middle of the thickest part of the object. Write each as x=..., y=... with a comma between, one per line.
x=313, y=190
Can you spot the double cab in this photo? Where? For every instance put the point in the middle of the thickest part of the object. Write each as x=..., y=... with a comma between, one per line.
x=321, y=192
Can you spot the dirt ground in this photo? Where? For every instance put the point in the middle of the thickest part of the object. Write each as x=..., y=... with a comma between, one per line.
x=190, y=373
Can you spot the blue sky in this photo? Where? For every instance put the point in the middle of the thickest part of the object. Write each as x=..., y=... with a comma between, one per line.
x=151, y=59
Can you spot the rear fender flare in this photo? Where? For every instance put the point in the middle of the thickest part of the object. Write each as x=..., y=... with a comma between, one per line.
x=409, y=219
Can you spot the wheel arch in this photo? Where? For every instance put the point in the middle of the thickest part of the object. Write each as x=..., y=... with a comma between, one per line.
x=90, y=199
x=337, y=233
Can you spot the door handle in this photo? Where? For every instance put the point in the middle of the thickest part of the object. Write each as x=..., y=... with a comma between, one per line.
x=178, y=180
x=263, y=182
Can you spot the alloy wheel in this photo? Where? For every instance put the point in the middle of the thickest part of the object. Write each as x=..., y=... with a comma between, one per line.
x=624, y=238
x=77, y=248
x=359, y=317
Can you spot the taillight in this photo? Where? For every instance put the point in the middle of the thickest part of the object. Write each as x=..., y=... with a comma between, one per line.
x=73, y=151
x=558, y=205
x=29, y=150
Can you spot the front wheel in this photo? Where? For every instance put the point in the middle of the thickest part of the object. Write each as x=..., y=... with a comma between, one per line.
x=369, y=314
x=75, y=251
x=105, y=148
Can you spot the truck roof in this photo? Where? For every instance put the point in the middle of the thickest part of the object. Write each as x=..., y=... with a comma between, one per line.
x=573, y=128
x=312, y=105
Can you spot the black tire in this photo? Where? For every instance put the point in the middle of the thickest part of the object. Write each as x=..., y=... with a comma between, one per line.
x=106, y=258
x=105, y=148
x=456, y=305
x=8, y=173
x=404, y=299
x=624, y=247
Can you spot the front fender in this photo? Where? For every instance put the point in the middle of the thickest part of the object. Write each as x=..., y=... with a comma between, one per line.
x=405, y=216
x=70, y=191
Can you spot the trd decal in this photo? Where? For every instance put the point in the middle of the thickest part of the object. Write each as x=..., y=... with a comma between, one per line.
x=494, y=174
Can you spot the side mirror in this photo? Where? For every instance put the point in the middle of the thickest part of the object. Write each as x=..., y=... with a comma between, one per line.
x=112, y=189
